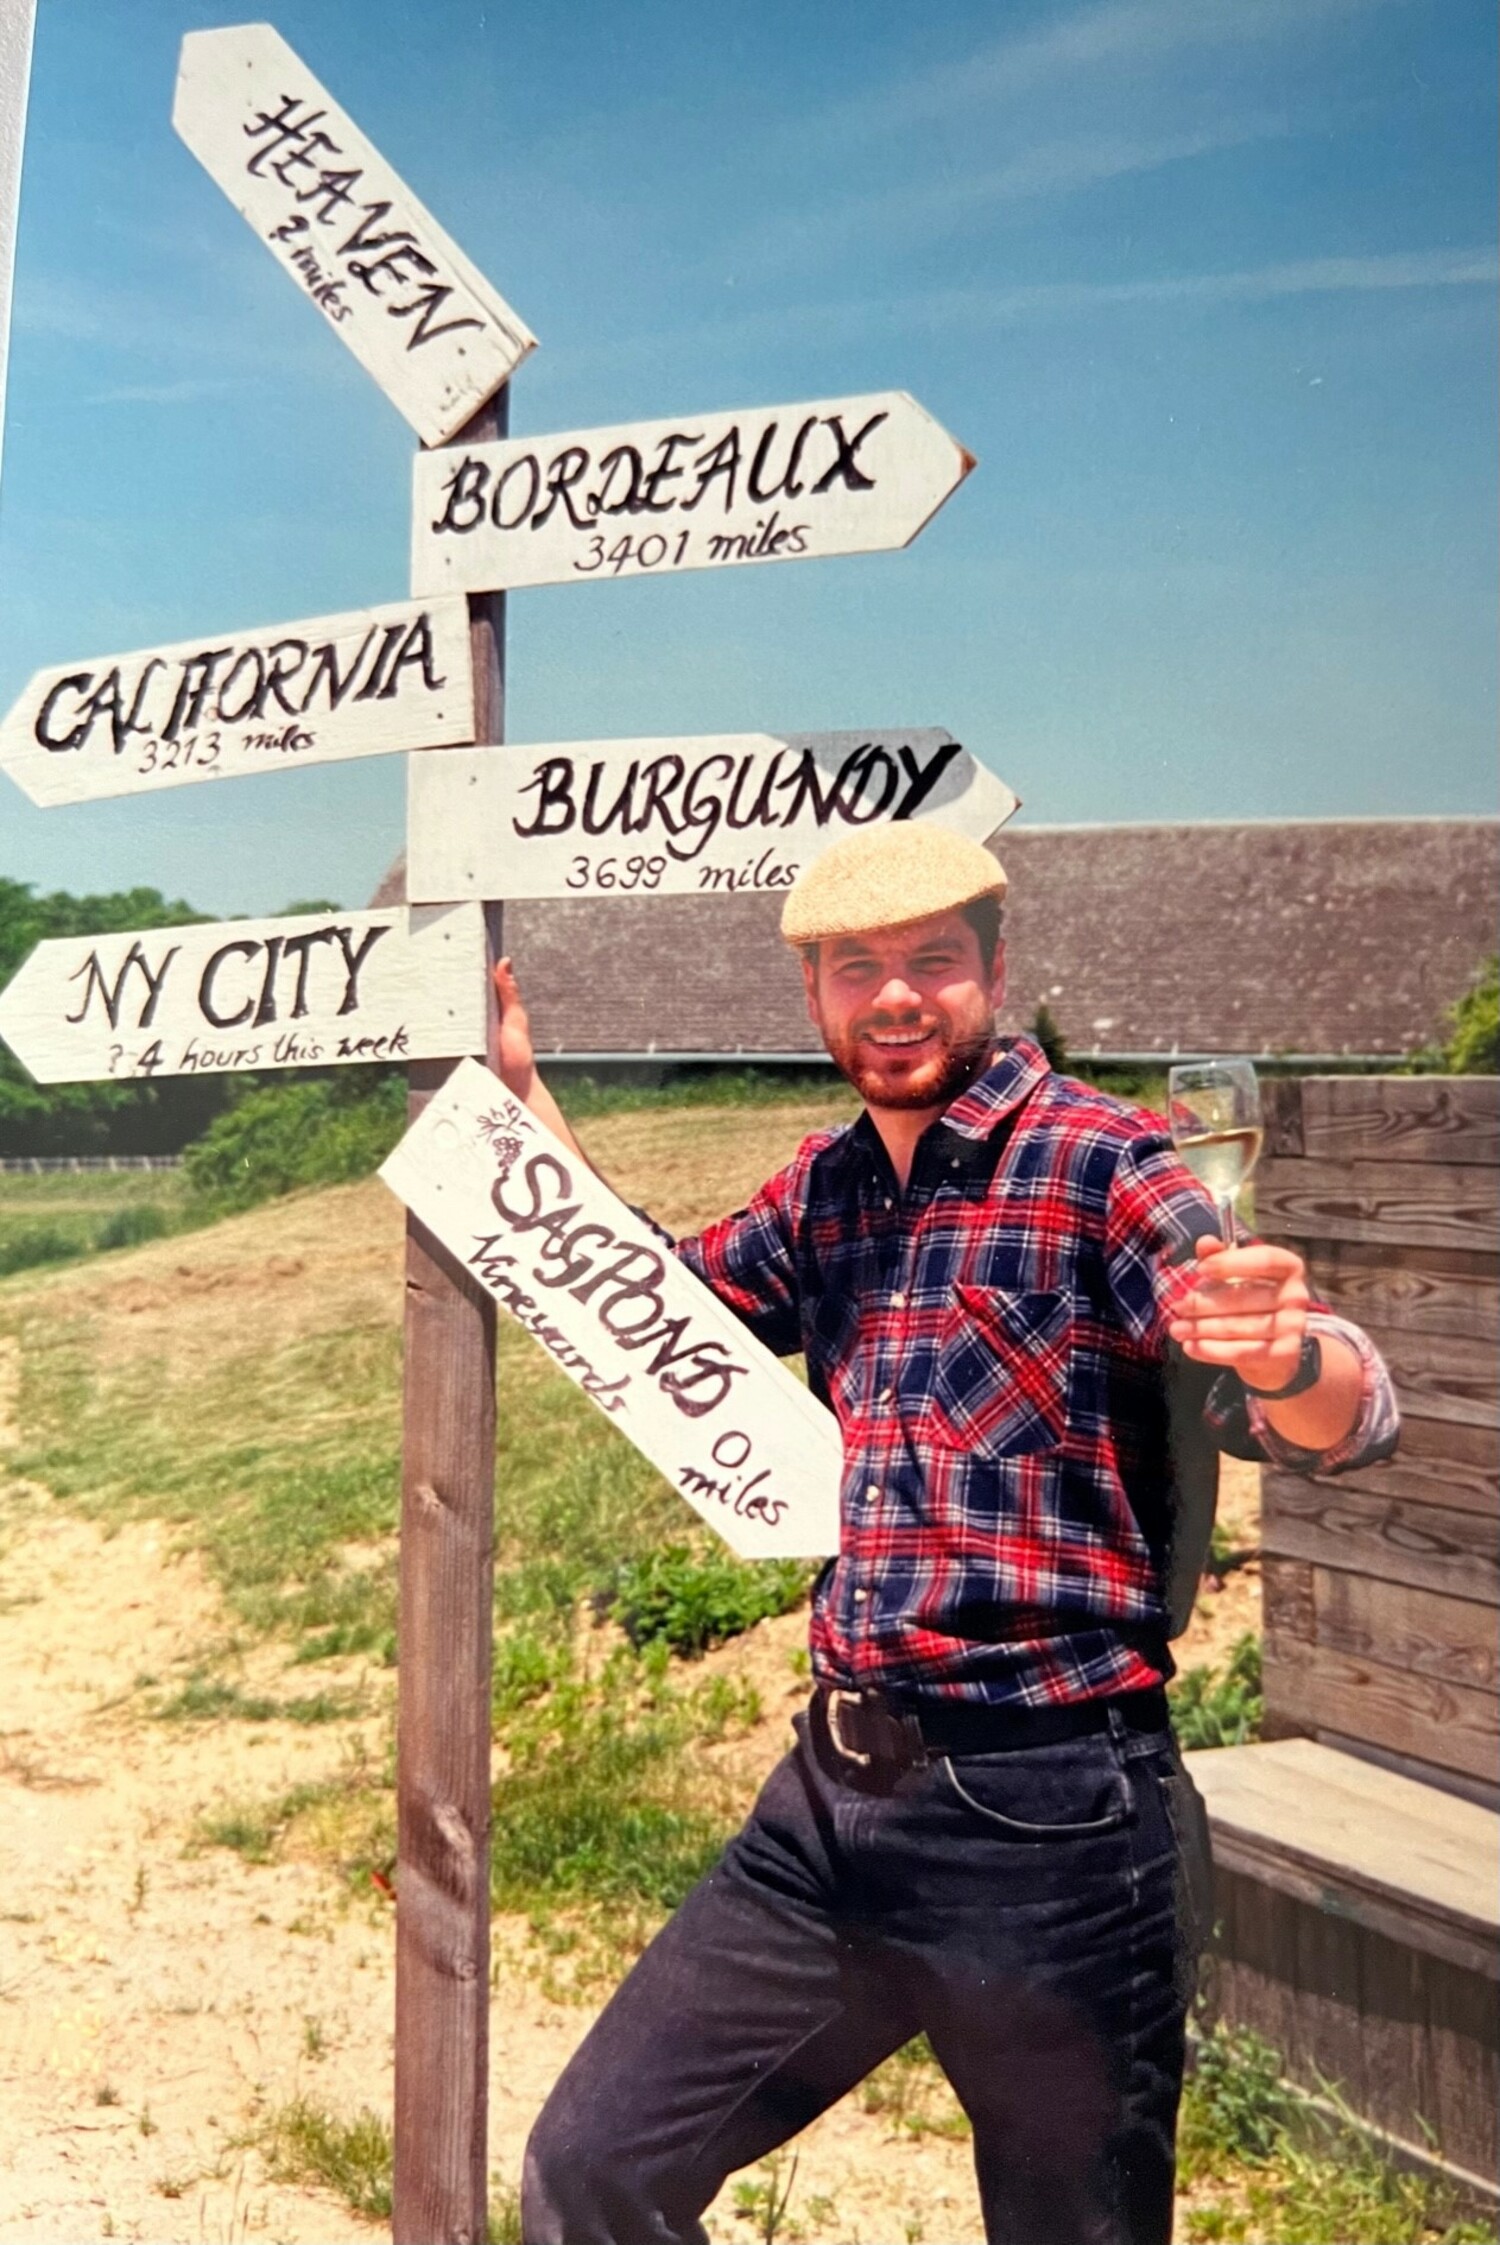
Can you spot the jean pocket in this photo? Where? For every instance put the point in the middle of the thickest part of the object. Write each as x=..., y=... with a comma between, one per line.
x=1000, y=1383
x=1045, y=1793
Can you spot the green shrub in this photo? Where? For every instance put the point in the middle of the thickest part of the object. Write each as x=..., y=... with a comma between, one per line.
x=1213, y=1710
x=39, y=1243
x=304, y=1132
x=132, y=1226
x=690, y=1600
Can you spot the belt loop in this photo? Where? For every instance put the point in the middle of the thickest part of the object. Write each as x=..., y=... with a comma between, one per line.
x=1117, y=1723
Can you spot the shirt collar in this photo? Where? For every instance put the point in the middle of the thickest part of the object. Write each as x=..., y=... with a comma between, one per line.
x=1017, y=1066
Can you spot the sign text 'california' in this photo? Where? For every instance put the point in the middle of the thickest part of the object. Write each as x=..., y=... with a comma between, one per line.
x=748, y=1447
x=776, y=483
x=265, y=700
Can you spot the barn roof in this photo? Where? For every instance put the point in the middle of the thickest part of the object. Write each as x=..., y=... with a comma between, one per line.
x=1311, y=939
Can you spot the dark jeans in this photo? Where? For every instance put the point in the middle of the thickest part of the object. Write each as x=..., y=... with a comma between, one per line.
x=1030, y=1909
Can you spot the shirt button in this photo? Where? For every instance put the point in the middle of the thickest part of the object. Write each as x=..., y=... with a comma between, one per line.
x=888, y=1201
x=860, y=1596
x=898, y=1301
x=872, y=1494
x=886, y=1395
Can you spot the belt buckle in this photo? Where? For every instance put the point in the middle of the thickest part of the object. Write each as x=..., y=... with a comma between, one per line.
x=838, y=1700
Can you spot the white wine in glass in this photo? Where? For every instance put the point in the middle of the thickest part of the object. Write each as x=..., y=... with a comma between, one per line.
x=1214, y=1108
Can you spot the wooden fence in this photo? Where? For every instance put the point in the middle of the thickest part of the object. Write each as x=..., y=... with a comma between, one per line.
x=1381, y=1587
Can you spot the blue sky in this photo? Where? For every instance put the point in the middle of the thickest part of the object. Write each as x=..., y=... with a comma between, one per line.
x=1208, y=285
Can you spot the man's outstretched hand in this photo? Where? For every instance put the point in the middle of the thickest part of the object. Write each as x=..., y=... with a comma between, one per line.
x=1248, y=1313
x=516, y=1059
x=517, y=1056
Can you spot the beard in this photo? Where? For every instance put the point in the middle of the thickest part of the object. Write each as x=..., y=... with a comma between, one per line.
x=936, y=1082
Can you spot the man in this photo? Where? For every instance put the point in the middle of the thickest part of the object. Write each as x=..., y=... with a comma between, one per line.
x=981, y=1830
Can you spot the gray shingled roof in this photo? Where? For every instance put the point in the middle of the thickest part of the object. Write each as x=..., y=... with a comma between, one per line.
x=1310, y=938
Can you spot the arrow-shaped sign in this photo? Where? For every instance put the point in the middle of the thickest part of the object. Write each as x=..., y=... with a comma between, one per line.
x=704, y=491
x=751, y=1450
x=723, y=813
x=414, y=311
x=318, y=990
x=265, y=700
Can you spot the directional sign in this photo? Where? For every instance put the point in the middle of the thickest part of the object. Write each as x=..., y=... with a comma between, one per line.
x=316, y=991
x=723, y=813
x=365, y=684
x=416, y=314
x=751, y=1450
x=705, y=491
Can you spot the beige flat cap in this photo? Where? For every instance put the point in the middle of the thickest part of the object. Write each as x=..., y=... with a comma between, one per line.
x=884, y=876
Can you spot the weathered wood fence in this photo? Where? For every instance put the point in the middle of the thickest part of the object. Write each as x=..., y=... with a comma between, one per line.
x=1381, y=1587
x=1359, y=1911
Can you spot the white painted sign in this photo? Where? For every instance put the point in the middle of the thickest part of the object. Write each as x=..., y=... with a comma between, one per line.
x=723, y=813
x=365, y=684
x=704, y=491
x=315, y=990
x=751, y=1450
x=415, y=312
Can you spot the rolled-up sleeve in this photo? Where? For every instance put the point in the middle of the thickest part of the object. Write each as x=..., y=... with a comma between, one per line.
x=1157, y=1210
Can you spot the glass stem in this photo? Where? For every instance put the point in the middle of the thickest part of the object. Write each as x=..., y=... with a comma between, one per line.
x=1226, y=1222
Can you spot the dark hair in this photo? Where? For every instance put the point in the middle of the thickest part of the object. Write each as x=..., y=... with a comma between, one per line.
x=984, y=917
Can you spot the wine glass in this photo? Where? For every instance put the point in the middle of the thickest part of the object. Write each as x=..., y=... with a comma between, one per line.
x=1214, y=1109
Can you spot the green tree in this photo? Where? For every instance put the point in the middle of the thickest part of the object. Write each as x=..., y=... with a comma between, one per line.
x=1472, y=1045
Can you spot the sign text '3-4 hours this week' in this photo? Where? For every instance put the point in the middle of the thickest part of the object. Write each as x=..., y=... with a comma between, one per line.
x=315, y=990
x=773, y=483
x=723, y=813
x=746, y=1444
x=417, y=314
x=369, y=683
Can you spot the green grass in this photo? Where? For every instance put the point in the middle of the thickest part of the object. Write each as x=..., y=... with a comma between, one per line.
x=59, y=1215
x=302, y=2142
x=1210, y=1709
x=1263, y=2163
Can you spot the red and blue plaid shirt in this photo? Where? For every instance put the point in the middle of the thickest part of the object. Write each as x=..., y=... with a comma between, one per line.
x=994, y=1343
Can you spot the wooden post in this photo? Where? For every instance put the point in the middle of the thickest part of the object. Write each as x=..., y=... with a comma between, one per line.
x=443, y=1723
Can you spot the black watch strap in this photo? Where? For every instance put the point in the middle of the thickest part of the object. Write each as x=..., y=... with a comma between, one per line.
x=1307, y=1375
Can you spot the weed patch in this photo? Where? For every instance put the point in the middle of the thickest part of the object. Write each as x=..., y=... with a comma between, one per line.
x=1209, y=1709
x=1272, y=2164
x=690, y=1599
x=302, y=2142
x=911, y=2094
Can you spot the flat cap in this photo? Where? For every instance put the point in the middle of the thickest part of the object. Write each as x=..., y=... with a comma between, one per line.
x=883, y=876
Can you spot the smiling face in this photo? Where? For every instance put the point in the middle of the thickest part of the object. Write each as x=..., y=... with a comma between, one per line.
x=907, y=1013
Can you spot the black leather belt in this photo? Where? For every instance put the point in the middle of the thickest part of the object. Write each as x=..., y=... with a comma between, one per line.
x=868, y=1731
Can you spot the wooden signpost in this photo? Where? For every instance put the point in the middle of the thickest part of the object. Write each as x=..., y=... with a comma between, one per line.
x=352, y=236
x=264, y=700
x=723, y=813
x=498, y=1209
x=701, y=491
x=751, y=1450
x=322, y=990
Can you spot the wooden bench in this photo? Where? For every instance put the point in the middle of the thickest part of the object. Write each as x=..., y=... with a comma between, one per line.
x=1359, y=1931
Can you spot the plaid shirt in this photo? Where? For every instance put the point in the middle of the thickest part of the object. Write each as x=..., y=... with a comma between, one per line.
x=993, y=1341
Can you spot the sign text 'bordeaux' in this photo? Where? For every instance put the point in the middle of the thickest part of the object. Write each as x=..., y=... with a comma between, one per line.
x=748, y=1447
x=776, y=483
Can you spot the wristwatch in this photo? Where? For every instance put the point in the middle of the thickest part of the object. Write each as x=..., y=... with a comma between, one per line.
x=1307, y=1375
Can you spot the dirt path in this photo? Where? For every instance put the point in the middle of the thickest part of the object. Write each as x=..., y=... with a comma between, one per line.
x=159, y=2001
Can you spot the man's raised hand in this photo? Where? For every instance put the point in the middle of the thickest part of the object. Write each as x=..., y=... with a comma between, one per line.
x=517, y=1056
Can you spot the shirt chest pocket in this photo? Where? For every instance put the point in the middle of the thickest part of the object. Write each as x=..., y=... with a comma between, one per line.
x=1000, y=1380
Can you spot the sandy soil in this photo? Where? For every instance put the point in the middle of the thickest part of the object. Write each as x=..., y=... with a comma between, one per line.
x=158, y=2000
